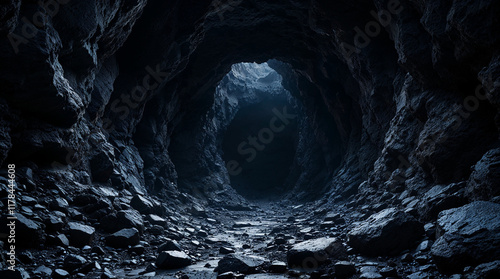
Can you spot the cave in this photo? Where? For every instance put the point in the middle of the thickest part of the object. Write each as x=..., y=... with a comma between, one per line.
x=261, y=159
x=259, y=143
x=250, y=139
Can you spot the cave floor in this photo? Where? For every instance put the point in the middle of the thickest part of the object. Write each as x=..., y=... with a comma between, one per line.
x=253, y=233
x=265, y=234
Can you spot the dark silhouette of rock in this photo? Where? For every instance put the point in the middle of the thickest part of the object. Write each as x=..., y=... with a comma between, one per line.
x=124, y=219
x=238, y=263
x=80, y=234
x=484, y=181
x=486, y=270
x=141, y=204
x=60, y=274
x=344, y=269
x=172, y=260
x=278, y=267
x=123, y=238
x=73, y=262
x=156, y=220
x=170, y=245
x=31, y=232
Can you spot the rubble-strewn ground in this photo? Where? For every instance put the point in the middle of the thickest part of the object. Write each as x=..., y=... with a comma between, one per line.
x=267, y=240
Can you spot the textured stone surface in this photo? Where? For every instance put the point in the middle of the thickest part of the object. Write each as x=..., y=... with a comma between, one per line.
x=403, y=114
x=388, y=232
x=469, y=235
x=238, y=263
x=25, y=228
x=172, y=260
x=404, y=117
x=123, y=219
x=312, y=253
x=80, y=234
x=123, y=238
x=484, y=181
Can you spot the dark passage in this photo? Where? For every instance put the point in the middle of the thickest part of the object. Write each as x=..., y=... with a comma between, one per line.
x=259, y=147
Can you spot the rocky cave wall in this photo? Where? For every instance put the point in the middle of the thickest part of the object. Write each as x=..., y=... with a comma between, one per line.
x=95, y=93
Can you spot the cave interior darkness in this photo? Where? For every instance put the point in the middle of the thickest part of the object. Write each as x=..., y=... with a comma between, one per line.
x=269, y=138
x=256, y=130
x=259, y=143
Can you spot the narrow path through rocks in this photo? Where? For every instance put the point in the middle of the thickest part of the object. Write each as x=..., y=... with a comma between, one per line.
x=273, y=240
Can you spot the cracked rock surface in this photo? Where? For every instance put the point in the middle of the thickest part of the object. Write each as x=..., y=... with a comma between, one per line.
x=123, y=119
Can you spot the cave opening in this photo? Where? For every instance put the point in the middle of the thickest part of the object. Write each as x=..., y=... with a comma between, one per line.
x=257, y=136
x=258, y=145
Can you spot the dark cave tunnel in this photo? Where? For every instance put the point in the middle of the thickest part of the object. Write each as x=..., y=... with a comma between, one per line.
x=259, y=147
x=259, y=153
x=251, y=139
x=252, y=130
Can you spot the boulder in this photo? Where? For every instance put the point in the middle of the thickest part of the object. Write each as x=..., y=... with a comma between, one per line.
x=230, y=275
x=484, y=182
x=73, y=262
x=54, y=223
x=59, y=204
x=172, y=260
x=440, y=198
x=80, y=234
x=123, y=238
x=141, y=204
x=312, y=253
x=58, y=240
x=468, y=235
x=277, y=267
x=344, y=269
x=239, y=263
x=170, y=245
x=124, y=219
x=156, y=220
x=226, y=250
x=31, y=232
x=487, y=270
x=389, y=272
x=101, y=163
x=43, y=271
x=388, y=232
x=60, y=274
x=335, y=218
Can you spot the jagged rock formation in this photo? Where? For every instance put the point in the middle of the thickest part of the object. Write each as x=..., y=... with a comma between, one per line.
x=107, y=98
x=398, y=100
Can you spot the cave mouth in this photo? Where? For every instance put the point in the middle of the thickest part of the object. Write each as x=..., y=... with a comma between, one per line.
x=258, y=145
